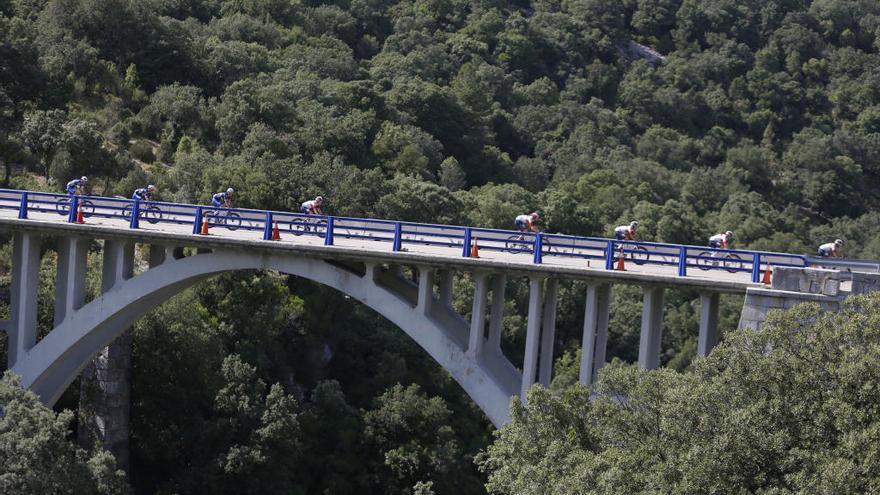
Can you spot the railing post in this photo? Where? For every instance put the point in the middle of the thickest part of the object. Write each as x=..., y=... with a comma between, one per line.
x=22, y=208
x=267, y=229
x=609, y=256
x=74, y=205
x=756, y=268
x=397, y=234
x=135, y=215
x=197, y=223
x=682, y=261
x=539, y=248
x=466, y=246
x=328, y=237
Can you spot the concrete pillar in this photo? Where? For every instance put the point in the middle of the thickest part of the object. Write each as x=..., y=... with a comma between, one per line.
x=548, y=334
x=496, y=318
x=595, y=337
x=604, y=315
x=652, y=328
x=447, y=280
x=105, y=390
x=478, y=314
x=708, y=323
x=70, y=279
x=533, y=334
x=426, y=290
x=22, y=328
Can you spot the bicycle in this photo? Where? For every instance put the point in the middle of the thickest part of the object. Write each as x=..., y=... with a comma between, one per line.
x=62, y=206
x=730, y=261
x=150, y=213
x=637, y=254
x=229, y=219
x=300, y=226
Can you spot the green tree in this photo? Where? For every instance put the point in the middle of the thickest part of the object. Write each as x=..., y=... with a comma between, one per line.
x=37, y=455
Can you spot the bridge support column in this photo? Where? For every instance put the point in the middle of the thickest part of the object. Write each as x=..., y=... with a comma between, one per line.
x=652, y=329
x=22, y=329
x=533, y=334
x=70, y=281
x=478, y=314
x=496, y=318
x=595, y=339
x=426, y=290
x=105, y=393
x=447, y=280
x=548, y=333
x=708, y=323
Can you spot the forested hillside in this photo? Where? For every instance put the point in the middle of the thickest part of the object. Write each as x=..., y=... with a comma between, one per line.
x=691, y=116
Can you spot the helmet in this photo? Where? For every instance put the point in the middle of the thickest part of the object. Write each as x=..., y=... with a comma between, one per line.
x=729, y=233
x=634, y=224
x=319, y=200
x=230, y=191
x=839, y=242
x=151, y=188
x=84, y=178
x=535, y=215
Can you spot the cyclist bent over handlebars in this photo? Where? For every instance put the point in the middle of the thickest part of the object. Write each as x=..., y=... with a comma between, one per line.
x=223, y=199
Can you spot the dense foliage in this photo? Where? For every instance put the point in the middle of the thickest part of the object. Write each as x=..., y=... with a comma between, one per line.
x=792, y=408
x=761, y=117
x=37, y=455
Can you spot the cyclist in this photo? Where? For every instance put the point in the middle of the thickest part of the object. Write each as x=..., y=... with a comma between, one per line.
x=144, y=193
x=77, y=186
x=223, y=199
x=721, y=241
x=312, y=207
x=525, y=223
x=830, y=249
x=626, y=232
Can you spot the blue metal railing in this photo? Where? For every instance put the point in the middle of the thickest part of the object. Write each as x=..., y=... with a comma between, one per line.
x=684, y=258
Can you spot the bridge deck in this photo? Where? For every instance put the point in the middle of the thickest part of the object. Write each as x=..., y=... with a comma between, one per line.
x=380, y=251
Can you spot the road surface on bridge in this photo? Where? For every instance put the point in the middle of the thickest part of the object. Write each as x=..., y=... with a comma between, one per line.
x=720, y=280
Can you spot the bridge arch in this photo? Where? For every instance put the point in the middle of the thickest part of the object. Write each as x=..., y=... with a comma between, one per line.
x=53, y=363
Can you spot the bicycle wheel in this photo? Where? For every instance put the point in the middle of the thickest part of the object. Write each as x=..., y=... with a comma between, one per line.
x=298, y=226
x=515, y=244
x=126, y=212
x=705, y=260
x=88, y=208
x=62, y=206
x=639, y=255
x=733, y=263
x=232, y=220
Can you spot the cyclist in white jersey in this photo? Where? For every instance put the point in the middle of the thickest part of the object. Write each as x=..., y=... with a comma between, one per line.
x=830, y=249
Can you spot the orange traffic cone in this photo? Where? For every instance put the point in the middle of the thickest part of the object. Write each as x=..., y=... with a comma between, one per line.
x=767, y=274
x=475, y=251
x=620, y=264
x=79, y=214
x=204, y=226
x=276, y=234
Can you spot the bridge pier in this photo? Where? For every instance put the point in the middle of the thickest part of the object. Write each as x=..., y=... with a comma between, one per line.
x=105, y=389
x=708, y=336
x=22, y=328
x=496, y=318
x=533, y=334
x=70, y=281
x=426, y=290
x=548, y=333
x=652, y=328
x=478, y=314
x=595, y=339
